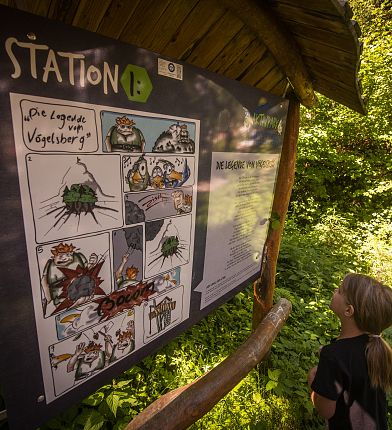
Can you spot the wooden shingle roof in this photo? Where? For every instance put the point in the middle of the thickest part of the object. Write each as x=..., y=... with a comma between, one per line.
x=268, y=44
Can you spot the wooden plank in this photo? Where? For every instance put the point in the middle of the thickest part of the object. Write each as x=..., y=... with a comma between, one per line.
x=250, y=56
x=63, y=11
x=340, y=74
x=42, y=7
x=259, y=70
x=342, y=42
x=269, y=81
x=215, y=40
x=24, y=5
x=330, y=84
x=116, y=18
x=347, y=98
x=142, y=21
x=170, y=20
x=36, y=7
x=193, y=29
x=90, y=13
x=5, y=2
x=327, y=53
x=280, y=43
x=232, y=51
x=179, y=408
x=335, y=8
x=280, y=88
x=356, y=27
x=311, y=18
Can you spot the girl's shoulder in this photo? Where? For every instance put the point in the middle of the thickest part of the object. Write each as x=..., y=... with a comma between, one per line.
x=342, y=346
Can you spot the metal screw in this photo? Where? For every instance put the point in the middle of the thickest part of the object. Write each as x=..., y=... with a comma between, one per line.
x=41, y=398
x=31, y=36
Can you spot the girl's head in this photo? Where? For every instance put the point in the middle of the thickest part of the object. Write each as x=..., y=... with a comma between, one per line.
x=371, y=300
x=371, y=307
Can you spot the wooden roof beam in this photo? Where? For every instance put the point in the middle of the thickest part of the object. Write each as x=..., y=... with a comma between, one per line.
x=280, y=42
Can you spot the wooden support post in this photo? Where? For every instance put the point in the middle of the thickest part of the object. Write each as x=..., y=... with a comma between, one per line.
x=264, y=287
x=180, y=408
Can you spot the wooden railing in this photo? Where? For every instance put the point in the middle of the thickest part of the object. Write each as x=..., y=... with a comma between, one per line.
x=179, y=408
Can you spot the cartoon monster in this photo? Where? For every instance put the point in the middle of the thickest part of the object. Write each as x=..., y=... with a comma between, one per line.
x=64, y=256
x=138, y=177
x=125, y=137
x=87, y=359
x=174, y=140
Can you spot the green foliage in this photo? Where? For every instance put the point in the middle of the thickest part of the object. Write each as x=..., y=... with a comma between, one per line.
x=344, y=158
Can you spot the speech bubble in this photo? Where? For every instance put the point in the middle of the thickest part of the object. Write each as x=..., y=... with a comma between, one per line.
x=49, y=127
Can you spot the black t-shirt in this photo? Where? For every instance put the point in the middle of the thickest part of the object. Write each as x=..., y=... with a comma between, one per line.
x=342, y=375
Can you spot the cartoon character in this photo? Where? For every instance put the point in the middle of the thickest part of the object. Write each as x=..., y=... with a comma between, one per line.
x=171, y=177
x=124, y=137
x=64, y=257
x=130, y=274
x=156, y=179
x=182, y=203
x=87, y=359
x=138, y=177
x=175, y=139
x=125, y=343
x=164, y=282
x=185, y=144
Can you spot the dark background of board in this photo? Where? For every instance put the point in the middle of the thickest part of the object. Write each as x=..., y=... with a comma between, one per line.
x=194, y=97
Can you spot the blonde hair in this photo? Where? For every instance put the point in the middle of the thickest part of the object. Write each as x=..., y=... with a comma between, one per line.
x=372, y=303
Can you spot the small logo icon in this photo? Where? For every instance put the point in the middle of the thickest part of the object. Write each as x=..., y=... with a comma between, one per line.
x=171, y=67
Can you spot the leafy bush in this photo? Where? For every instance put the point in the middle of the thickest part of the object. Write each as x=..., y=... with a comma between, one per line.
x=344, y=159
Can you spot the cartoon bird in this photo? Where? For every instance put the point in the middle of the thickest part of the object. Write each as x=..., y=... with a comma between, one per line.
x=138, y=177
x=124, y=136
x=171, y=177
x=156, y=179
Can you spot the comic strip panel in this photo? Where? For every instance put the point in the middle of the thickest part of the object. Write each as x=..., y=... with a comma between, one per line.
x=58, y=127
x=163, y=312
x=74, y=195
x=157, y=172
x=165, y=203
x=73, y=272
x=127, y=256
x=75, y=320
x=167, y=244
x=89, y=352
x=167, y=281
x=136, y=133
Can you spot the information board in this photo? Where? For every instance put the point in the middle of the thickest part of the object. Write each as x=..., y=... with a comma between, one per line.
x=137, y=194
